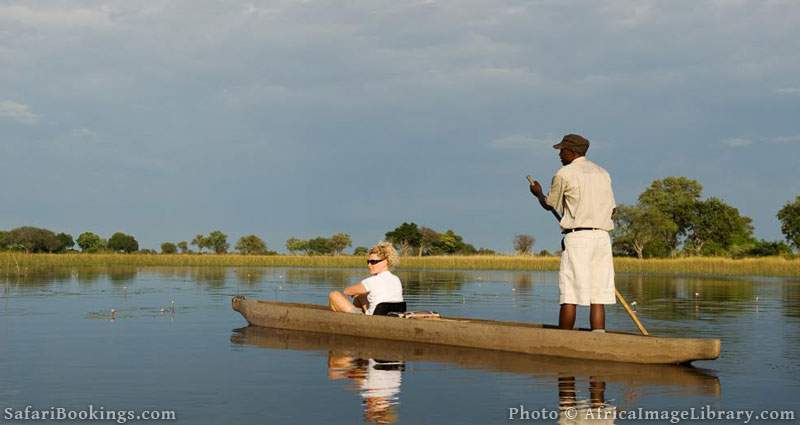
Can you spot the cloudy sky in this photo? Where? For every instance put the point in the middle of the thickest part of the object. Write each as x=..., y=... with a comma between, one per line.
x=165, y=119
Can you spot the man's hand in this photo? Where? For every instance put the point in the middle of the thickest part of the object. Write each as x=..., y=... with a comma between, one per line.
x=536, y=189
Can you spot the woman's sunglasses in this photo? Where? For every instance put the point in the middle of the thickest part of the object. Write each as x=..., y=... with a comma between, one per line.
x=373, y=262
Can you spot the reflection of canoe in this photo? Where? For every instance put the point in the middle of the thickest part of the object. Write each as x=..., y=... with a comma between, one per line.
x=693, y=381
x=527, y=338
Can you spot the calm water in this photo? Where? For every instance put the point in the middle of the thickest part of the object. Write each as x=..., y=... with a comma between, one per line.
x=59, y=347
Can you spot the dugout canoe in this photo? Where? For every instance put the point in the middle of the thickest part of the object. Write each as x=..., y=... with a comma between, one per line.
x=681, y=380
x=526, y=338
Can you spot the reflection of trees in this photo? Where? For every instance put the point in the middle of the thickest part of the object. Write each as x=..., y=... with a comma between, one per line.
x=328, y=277
x=39, y=276
x=671, y=297
x=121, y=274
x=211, y=276
x=522, y=281
x=416, y=282
x=249, y=275
x=88, y=275
x=790, y=295
x=173, y=273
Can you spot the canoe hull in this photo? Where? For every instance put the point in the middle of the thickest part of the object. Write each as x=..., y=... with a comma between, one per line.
x=483, y=334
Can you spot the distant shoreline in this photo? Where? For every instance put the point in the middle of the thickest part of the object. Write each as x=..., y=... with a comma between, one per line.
x=21, y=263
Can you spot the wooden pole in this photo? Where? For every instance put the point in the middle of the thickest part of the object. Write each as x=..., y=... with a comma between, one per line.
x=620, y=298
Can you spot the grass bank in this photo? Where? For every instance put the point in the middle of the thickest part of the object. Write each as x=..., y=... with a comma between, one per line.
x=19, y=263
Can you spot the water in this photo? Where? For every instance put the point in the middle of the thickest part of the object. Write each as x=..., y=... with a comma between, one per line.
x=59, y=347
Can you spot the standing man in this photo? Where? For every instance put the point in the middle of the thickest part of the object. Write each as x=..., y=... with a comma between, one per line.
x=581, y=193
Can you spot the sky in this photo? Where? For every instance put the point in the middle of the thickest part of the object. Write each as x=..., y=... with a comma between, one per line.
x=169, y=118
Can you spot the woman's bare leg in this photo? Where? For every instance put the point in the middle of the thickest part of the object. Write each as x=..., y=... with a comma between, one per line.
x=339, y=302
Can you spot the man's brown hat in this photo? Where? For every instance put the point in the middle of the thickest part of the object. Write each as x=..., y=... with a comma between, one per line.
x=575, y=143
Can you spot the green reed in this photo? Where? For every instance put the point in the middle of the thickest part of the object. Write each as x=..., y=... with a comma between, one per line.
x=14, y=263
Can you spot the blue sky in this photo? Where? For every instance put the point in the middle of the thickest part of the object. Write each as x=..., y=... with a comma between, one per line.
x=165, y=119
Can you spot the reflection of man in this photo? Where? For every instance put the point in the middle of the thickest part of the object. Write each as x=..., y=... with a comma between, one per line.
x=581, y=193
x=378, y=382
x=575, y=411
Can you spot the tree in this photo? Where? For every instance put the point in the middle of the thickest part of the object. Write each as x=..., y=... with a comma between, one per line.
x=340, y=241
x=183, y=246
x=428, y=237
x=405, y=236
x=200, y=242
x=3, y=239
x=295, y=245
x=66, y=242
x=676, y=197
x=637, y=228
x=716, y=228
x=120, y=242
x=218, y=241
x=90, y=242
x=251, y=245
x=789, y=216
x=168, y=248
x=320, y=246
x=523, y=244
x=764, y=248
x=360, y=250
x=450, y=243
x=33, y=239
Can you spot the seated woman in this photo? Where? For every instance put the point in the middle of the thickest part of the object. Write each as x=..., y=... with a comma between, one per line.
x=381, y=287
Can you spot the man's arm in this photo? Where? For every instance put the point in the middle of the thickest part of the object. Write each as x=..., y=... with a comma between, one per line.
x=536, y=190
x=551, y=202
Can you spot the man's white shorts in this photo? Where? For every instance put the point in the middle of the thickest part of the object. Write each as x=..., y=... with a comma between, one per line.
x=586, y=275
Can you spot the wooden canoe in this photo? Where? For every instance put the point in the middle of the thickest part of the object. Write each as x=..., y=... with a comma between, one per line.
x=526, y=338
x=686, y=380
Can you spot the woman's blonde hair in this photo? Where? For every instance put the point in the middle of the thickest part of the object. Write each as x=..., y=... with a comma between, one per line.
x=386, y=250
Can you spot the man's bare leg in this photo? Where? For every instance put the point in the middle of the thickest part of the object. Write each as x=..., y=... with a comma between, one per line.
x=566, y=317
x=597, y=316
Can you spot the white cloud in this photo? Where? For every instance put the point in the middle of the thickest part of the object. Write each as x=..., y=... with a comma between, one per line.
x=737, y=142
x=787, y=139
x=519, y=141
x=18, y=112
x=788, y=90
x=43, y=17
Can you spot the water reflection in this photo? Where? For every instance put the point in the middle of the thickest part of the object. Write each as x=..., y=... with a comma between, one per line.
x=670, y=297
x=377, y=381
x=420, y=282
x=344, y=351
x=250, y=276
x=327, y=277
x=576, y=410
x=790, y=295
x=121, y=275
x=415, y=282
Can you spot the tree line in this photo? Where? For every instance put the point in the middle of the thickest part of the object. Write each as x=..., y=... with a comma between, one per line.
x=672, y=218
x=39, y=240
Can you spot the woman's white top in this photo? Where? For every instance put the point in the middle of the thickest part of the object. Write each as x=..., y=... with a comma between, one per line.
x=383, y=287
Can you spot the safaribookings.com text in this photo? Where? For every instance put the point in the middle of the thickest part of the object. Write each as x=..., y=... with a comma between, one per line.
x=90, y=413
